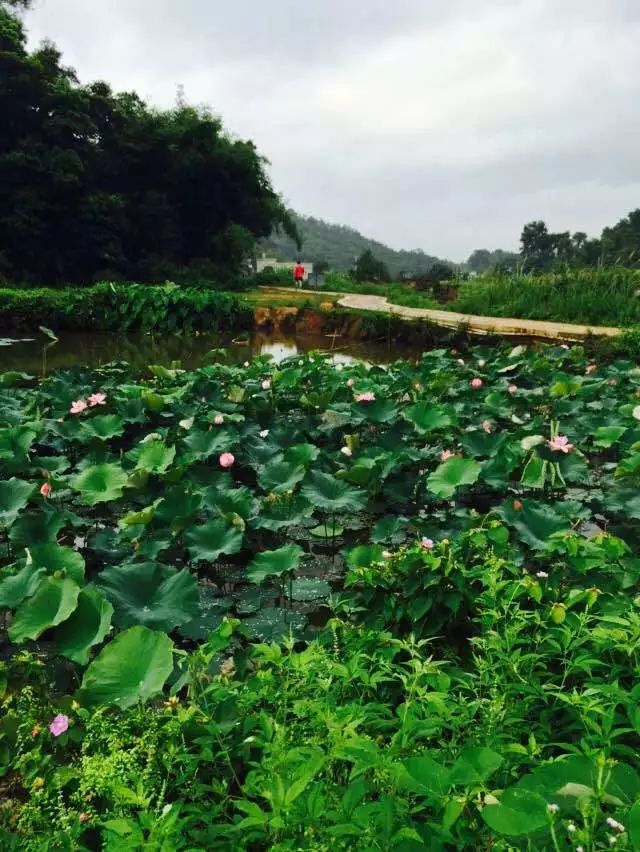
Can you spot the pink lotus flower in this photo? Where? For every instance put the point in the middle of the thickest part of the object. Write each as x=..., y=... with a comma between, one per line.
x=512, y=389
x=486, y=425
x=476, y=383
x=350, y=383
x=446, y=454
x=97, y=399
x=218, y=419
x=45, y=489
x=78, y=406
x=426, y=543
x=560, y=444
x=59, y=724
x=227, y=459
x=591, y=368
x=613, y=381
x=367, y=396
x=266, y=384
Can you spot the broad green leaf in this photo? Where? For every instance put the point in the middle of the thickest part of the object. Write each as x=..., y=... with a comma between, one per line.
x=633, y=825
x=53, y=602
x=534, y=474
x=155, y=457
x=273, y=624
x=280, y=476
x=285, y=512
x=100, y=483
x=607, y=436
x=475, y=766
x=204, y=444
x=427, y=417
x=364, y=555
x=451, y=474
x=15, y=443
x=389, y=528
x=308, y=589
x=87, y=626
x=58, y=559
x=302, y=454
x=14, y=379
x=102, y=427
x=149, y=593
x=131, y=668
x=14, y=588
x=534, y=521
x=332, y=495
x=329, y=530
x=427, y=776
x=518, y=812
x=14, y=496
x=208, y=541
x=275, y=563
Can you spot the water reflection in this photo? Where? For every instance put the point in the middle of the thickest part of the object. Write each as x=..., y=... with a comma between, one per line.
x=40, y=356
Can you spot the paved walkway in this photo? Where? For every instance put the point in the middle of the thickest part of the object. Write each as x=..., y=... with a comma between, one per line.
x=470, y=322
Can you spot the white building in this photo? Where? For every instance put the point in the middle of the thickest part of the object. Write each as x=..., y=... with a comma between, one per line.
x=264, y=262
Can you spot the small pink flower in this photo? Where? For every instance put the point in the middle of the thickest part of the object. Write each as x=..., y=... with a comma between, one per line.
x=367, y=396
x=266, y=384
x=97, y=399
x=512, y=389
x=45, y=489
x=446, y=454
x=613, y=381
x=350, y=383
x=59, y=725
x=426, y=543
x=590, y=369
x=218, y=419
x=78, y=406
x=84, y=817
x=227, y=459
x=486, y=425
x=476, y=383
x=560, y=444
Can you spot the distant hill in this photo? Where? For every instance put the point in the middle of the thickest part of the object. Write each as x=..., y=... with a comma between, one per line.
x=339, y=245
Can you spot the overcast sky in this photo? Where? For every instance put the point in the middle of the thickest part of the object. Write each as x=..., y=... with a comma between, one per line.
x=434, y=124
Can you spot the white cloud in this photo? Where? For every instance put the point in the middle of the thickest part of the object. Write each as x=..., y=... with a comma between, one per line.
x=439, y=125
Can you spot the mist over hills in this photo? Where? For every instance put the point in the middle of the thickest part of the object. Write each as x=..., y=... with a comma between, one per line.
x=340, y=245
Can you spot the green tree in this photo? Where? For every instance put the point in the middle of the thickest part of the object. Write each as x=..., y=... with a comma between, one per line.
x=621, y=243
x=538, y=247
x=94, y=184
x=369, y=268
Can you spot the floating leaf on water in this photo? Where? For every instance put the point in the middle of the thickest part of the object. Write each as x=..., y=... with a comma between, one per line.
x=273, y=624
x=308, y=589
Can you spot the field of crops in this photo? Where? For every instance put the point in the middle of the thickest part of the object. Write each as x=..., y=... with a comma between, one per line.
x=322, y=606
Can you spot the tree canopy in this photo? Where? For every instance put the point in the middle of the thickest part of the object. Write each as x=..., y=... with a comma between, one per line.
x=369, y=268
x=95, y=184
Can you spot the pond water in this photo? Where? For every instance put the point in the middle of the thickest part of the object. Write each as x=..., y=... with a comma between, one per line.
x=38, y=355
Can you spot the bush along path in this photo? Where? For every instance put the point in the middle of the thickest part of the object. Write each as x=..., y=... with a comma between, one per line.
x=472, y=323
x=322, y=607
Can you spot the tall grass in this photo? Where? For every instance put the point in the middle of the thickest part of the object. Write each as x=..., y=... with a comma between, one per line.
x=602, y=296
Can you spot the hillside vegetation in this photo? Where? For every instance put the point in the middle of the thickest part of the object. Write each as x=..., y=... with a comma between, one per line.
x=340, y=245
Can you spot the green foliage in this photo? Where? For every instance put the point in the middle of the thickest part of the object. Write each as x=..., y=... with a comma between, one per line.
x=125, y=307
x=102, y=186
x=420, y=642
x=602, y=296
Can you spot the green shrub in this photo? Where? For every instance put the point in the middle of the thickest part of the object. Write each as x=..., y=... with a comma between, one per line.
x=114, y=307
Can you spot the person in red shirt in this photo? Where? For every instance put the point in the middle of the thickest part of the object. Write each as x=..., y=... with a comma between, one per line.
x=298, y=274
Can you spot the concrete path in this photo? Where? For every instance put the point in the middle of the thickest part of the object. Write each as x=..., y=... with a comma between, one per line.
x=470, y=322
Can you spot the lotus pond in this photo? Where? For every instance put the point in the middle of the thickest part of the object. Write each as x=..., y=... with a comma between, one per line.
x=320, y=605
